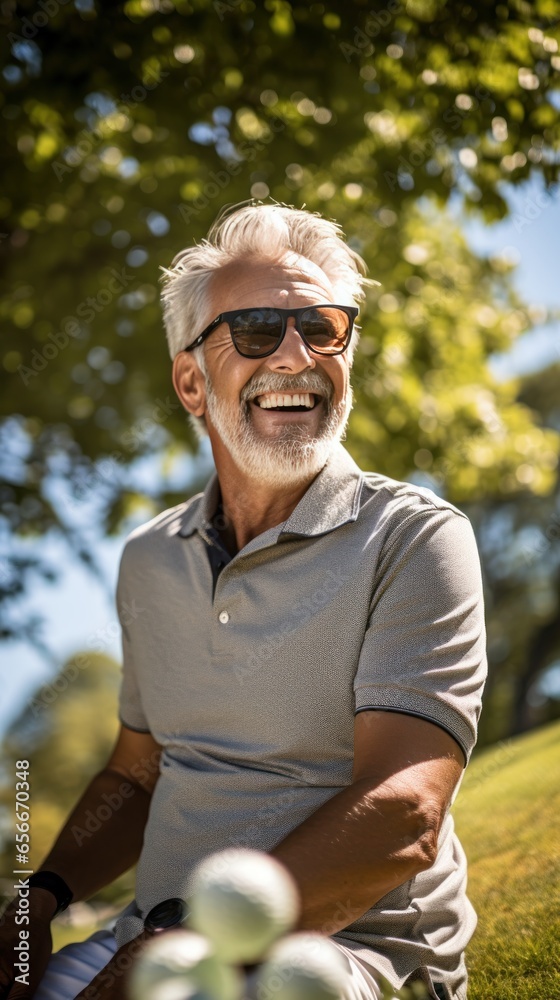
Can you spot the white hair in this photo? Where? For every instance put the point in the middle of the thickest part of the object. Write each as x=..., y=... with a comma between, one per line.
x=256, y=231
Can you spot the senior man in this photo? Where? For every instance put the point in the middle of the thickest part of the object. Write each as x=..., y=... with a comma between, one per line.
x=304, y=672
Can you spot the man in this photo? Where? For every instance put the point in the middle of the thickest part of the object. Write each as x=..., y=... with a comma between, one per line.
x=304, y=672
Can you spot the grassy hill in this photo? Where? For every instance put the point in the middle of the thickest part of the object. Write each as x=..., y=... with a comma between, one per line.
x=507, y=817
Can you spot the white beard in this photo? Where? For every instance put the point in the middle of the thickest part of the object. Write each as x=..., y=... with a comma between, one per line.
x=291, y=456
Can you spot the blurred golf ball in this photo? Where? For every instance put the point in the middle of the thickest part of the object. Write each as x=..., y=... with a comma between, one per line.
x=302, y=966
x=242, y=900
x=179, y=964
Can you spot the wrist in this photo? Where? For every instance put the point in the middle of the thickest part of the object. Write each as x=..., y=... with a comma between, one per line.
x=42, y=903
x=54, y=885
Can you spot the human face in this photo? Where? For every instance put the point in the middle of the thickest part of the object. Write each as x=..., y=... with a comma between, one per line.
x=277, y=446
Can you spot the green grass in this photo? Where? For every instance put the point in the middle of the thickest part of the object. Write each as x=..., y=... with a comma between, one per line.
x=507, y=817
x=64, y=934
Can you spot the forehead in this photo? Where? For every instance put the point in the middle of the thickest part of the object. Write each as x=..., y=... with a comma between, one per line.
x=294, y=281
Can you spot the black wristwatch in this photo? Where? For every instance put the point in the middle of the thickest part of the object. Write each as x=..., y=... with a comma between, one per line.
x=54, y=884
x=163, y=916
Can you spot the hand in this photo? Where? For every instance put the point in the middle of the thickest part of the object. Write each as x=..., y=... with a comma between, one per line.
x=32, y=939
x=111, y=983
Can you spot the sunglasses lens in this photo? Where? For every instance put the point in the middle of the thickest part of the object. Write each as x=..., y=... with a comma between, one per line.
x=256, y=331
x=326, y=329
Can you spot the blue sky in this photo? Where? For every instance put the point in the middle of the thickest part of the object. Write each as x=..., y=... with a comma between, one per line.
x=531, y=236
x=78, y=609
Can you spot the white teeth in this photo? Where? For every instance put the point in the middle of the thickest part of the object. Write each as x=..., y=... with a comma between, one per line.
x=270, y=400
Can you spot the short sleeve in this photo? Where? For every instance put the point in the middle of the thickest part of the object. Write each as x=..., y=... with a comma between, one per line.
x=131, y=711
x=424, y=651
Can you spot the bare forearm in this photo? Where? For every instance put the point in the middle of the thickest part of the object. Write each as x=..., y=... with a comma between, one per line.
x=351, y=852
x=103, y=835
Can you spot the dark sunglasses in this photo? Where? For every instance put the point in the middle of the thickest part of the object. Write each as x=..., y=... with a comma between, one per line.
x=258, y=332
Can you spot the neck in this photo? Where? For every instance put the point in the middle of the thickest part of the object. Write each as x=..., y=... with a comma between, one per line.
x=251, y=507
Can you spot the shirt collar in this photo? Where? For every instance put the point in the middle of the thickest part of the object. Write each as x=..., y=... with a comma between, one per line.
x=332, y=499
x=199, y=513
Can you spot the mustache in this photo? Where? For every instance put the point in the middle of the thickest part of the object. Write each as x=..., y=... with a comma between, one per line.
x=274, y=382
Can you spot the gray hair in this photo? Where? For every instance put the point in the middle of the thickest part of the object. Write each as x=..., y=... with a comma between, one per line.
x=268, y=233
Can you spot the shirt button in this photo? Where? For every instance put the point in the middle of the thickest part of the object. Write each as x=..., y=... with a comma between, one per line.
x=224, y=617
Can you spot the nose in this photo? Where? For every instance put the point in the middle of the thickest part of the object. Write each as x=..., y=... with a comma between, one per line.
x=292, y=354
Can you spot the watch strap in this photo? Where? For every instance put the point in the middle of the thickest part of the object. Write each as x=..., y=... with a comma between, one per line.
x=165, y=915
x=54, y=884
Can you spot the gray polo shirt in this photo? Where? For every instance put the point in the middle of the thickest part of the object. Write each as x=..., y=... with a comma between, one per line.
x=249, y=671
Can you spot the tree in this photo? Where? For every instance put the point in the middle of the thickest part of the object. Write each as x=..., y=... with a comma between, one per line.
x=519, y=543
x=130, y=126
x=49, y=733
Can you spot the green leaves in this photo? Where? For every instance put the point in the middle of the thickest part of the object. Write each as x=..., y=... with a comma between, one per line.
x=127, y=133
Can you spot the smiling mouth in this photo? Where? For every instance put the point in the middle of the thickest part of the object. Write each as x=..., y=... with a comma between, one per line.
x=291, y=402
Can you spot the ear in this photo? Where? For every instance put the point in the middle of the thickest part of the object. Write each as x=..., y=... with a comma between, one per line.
x=189, y=383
